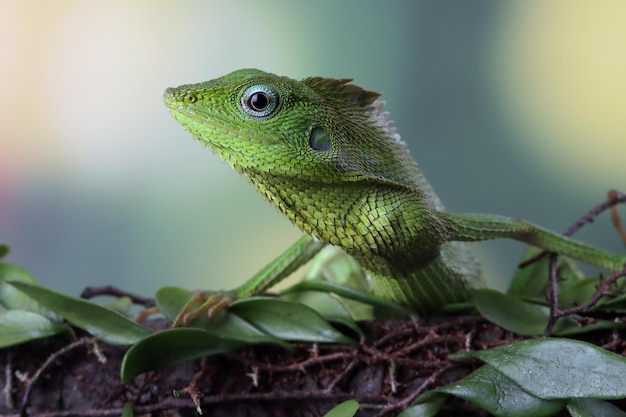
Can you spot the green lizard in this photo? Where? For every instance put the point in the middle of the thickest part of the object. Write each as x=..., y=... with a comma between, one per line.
x=326, y=154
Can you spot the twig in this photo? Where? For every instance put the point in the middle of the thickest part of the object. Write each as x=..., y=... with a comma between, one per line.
x=615, y=195
x=91, y=292
x=604, y=290
x=553, y=295
x=405, y=402
x=80, y=342
x=8, y=377
x=614, y=198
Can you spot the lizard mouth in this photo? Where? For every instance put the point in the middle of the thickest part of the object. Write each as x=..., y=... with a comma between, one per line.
x=229, y=143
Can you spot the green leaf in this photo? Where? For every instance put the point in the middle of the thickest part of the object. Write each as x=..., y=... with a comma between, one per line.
x=560, y=368
x=171, y=300
x=568, y=271
x=287, y=320
x=579, y=292
x=511, y=313
x=334, y=265
x=234, y=327
x=532, y=280
x=499, y=396
x=573, y=328
x=172, y=347
x=105, y=324
x=589, y=407
x=18, y=326
x=122, y=305
x=327, y=306
x=345, y=409
x=350, y=293
x=615, y=304
x=11, y=298
x=4, y=250
x=429, y=407
x=127, y=410
x=529, y=319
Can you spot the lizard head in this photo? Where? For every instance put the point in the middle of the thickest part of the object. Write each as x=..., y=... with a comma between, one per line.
x=325, y=153
x=318, y=129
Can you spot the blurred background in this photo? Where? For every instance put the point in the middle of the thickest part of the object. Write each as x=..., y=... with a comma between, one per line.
x=515, y=108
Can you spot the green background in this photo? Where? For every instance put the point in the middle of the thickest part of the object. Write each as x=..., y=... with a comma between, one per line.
x=513, y=108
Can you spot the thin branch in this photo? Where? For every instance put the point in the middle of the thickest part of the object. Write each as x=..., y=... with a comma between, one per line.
x=65, y=349
x=91, y=292
x=553, y=295
x=614, y=198
x=615, y=195
x=603, y=290
x=405, y=402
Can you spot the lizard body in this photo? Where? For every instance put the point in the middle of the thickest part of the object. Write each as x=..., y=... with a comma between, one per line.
x=327, y=155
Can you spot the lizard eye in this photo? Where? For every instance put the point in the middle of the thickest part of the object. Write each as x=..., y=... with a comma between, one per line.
x=319, y=140
x=259, y=101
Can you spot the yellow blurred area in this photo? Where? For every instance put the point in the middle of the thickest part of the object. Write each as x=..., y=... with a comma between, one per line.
x=561, y=72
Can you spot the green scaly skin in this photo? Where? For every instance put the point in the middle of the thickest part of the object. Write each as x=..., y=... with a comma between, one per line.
x=325, y=153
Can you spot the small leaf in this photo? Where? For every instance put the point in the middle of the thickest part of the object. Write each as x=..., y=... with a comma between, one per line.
x=127, y=410
x=614, y=304
x=350, y=293
x=525, y=318
x=327, y=306
x=573, y=328
x=172, y=347
x=18, y=326
x=231, y=326
x=171, y=300
x=530, y=319
x=499, y=396
x=11, y=298
x=576, y=369
x=532, y=280
x=511, y=313
x=287, y=320
x=588, y=407
x=334, y=265
x=105, y=324
x=4, y=250
x=345, y=409
x=579, y=292
x=120, y=304
x=429, y=407
x=568, y=271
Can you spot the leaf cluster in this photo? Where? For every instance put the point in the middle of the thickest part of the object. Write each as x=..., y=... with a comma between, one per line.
x=536, y=377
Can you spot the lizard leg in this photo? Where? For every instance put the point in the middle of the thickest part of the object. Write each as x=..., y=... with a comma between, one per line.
x=212, y=302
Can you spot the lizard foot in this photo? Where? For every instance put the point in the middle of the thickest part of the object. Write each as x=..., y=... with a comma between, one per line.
x=212, y=303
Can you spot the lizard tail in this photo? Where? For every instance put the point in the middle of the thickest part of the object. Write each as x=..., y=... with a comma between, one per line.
x=476, y=227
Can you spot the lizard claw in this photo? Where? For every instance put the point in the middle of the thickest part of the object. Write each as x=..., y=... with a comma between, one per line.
x=212, y=303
